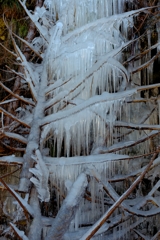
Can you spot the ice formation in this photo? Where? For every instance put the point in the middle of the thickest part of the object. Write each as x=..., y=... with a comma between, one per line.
x=81, y=64
x=41, y=173
x=81, y=89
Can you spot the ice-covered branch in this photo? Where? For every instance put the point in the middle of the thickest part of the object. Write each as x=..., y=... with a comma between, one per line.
x=8, y=101
x=102, y=21
x=41, y=181
x=142, y=236
x=11, y=160
x=119, y=178
x=18, y=233
x=139, y=55
x=28, y=45
x=105, y=97
x=135, y=209
x=136, y=126
x=15, y=136
x=13, y=117
x=55, y=85
x=16, y=95
x=35, y=231
x=123, y=145
x=14, y=149
x=68, y=209
x=147, y=87
x=30, y=77
x=34, y=18
x=102, y=220
x=78, y=160
x=25, y=206
x=103, y=62
x=156, y=236
x=146, y=64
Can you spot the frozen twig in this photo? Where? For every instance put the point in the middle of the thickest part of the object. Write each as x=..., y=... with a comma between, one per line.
x=17, y=96
x=18, y=233
x=137, y=126
x=13, y=117
x=14, y=136
x=105, y=97
x=102, y=220
x=142, y=236
x=146, y=64
x=155, y=237
x=35, y=231
x=28, y=71
x=25, y=206
x=41, y=181
x=14, y=149
x=68, y=209
x=123, y=145
x=28, y=45
x=31, y=16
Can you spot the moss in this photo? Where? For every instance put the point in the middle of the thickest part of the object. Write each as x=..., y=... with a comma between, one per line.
x=22, y=29
x=11, y=9
x=2, y=30
x=9, y=4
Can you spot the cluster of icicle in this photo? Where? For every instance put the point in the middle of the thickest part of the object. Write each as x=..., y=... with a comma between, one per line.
x=84, y=62
x=76, y=13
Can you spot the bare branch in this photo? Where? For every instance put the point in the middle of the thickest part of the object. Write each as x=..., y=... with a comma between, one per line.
x=147, y=87
x=140, y=54
x=12, y=53
x=16, y=95
x=146, y=64
x=20, y=75
x=137, y=126
x=14, y=118
x=10, y=173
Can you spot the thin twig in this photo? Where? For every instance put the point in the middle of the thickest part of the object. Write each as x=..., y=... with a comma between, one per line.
x=13, y=117
x=16, y=95
x=102, y=220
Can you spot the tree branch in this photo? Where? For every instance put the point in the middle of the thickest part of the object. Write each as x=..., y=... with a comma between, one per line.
x=68, y=209
x=16, y=95
x=25, y=206
x=136, y=126
x=102, y=220
x=14, y=118
x=28, y=45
